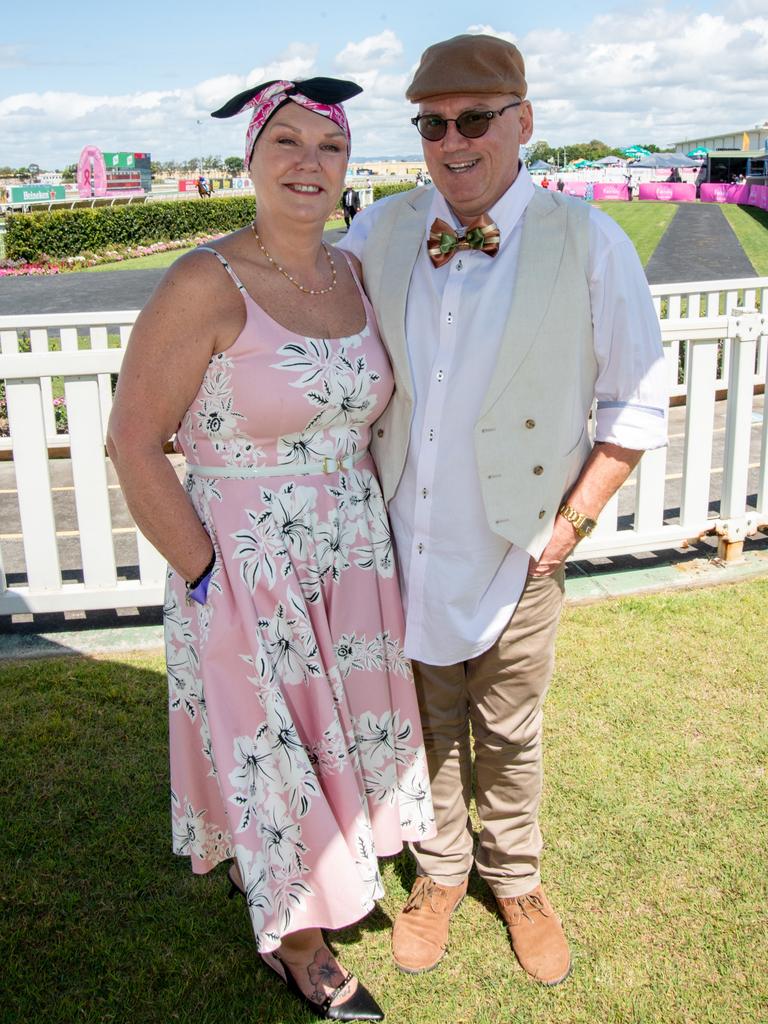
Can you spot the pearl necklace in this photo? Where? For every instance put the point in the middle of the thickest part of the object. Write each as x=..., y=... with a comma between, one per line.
x=294, y=282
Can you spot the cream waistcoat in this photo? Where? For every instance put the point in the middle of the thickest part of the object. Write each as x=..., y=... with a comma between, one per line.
x=531, y=438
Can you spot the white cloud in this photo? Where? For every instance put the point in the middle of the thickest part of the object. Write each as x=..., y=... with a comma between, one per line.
x=371, y=52
x=663, y=74
x=489, y=30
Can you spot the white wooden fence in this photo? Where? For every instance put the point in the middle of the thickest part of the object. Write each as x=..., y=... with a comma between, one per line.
x=715, y=341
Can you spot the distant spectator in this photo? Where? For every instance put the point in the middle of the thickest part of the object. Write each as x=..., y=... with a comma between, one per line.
x=560, y=184
x=545, y=182
x=350, y=204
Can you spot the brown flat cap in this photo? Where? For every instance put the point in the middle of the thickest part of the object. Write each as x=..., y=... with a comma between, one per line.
x=469, y=64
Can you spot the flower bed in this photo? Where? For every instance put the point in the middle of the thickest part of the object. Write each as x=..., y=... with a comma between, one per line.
x=47, y=265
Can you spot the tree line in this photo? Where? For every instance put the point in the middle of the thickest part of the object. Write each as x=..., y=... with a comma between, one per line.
x=213, y=164
x=594, y=150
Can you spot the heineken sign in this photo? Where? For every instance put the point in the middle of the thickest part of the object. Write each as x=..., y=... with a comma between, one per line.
x=36, y=193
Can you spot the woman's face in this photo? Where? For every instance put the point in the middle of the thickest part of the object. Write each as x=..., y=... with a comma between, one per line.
x=298, y=165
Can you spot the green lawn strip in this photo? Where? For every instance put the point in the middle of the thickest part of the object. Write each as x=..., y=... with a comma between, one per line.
x=751, y=227
x=653, y=815
x=158, y=260
x=645, y=223
x=152, y=262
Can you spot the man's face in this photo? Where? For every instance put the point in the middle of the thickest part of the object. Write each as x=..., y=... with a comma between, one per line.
x=473, y=174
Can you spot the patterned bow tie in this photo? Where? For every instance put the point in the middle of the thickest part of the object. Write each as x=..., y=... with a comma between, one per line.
x=443, y=241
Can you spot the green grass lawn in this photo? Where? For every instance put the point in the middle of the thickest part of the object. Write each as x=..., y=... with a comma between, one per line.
x=645, y=223
x=751, y=227
x=151, y=262
x=654, y=819
x=164, y=259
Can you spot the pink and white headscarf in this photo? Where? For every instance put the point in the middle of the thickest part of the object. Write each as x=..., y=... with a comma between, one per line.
x=266, y=102
x=322, y=96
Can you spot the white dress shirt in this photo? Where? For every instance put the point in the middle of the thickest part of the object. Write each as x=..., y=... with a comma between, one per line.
x=460, y=580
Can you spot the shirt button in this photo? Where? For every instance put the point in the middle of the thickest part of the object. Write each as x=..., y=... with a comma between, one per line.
x=380, y=432
x=530, y=424
x=538, y=470
x=440, y=375
x=459, y=265
x=449, y=318
x=424, y=492
x=431, y=435
x=420, y=548
x=542, y=513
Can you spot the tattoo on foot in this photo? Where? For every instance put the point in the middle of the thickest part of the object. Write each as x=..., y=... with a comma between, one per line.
x=324, y=973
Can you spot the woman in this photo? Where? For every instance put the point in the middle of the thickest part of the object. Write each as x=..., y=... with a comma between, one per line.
x=295, y=741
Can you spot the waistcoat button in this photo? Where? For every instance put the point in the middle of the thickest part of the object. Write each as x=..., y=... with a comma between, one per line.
x=380, y=432
x=538, y=470
x=530, y=424
x=542, y=513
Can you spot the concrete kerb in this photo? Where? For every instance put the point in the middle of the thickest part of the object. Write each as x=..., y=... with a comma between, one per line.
x=583, y=587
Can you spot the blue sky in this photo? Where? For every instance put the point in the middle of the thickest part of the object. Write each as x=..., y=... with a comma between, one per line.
x=142, y=80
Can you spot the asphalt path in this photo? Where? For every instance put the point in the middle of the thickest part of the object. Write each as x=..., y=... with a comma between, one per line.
x=84, y=292
x=698, y=245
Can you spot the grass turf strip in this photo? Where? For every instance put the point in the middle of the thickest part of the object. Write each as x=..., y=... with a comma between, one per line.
x=654, y=819
x=751, y=227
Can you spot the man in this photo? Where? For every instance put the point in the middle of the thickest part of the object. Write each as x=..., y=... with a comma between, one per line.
x=499, y=344
x=350, y=204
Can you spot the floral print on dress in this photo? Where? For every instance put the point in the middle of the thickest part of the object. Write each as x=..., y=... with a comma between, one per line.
x=294, y=732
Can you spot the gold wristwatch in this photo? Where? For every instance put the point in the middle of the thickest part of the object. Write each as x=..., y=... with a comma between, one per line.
x=581, y=523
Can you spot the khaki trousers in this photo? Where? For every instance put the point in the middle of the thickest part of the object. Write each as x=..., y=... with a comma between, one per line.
x=501, y=692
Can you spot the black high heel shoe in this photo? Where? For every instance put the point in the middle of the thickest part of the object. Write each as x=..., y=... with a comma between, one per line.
x=360, y=1006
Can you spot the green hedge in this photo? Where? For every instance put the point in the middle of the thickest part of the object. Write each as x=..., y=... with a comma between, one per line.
x=61, y=233
x=379, y=191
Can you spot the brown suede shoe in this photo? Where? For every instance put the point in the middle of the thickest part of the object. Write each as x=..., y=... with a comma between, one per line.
x=537, y=936
x=420, y=935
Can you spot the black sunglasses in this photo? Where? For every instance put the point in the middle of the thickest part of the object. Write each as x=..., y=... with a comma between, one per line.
x=472, y=124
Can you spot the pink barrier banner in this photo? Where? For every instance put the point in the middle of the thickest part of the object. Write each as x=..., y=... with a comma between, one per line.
x=576, y=188
x=758, y=196
x=739, y=194
x=667, y=191
x=712, y=193
x=724, y=193
x=610, y=190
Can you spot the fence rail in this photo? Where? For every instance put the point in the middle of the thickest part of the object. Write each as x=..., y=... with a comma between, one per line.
x=715, y=340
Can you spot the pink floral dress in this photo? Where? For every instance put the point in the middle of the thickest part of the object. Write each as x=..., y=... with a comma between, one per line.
x=295, y=739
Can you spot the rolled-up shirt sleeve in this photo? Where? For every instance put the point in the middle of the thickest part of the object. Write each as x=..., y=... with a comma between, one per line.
x=631, y=388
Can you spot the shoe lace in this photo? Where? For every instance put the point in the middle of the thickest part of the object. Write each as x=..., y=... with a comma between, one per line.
x=423, y=888
x=524, y=905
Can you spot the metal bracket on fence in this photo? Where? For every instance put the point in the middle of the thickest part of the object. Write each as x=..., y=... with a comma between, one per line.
x=732, y=533
x=746, y=324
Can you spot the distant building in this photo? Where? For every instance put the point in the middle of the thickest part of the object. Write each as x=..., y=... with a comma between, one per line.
x=757, y=139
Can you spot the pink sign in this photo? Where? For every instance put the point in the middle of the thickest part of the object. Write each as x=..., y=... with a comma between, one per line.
x=667, y=191
x=575, y=188
x=758, y=196
x=610, y=190
x=91, y=173
x=713, y=193
x=739, y=194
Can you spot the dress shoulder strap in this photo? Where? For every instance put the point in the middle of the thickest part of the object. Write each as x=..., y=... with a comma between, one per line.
x=225, y=264
x=351, y=265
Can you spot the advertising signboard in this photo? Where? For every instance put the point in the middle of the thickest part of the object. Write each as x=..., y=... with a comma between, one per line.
x=36, y=193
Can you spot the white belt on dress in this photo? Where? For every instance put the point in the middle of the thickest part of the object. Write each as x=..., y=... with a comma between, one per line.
x=329, y=464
